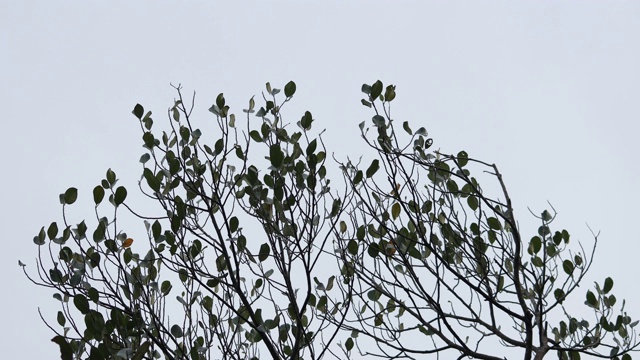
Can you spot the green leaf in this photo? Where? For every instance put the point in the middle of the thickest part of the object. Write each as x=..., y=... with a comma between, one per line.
x=98, y=194
x=152, y=181
x=306, y=120
x=535, y=244
x=290, y=89
x=348, y=344
x=138, y=111
x=176, y=331
x=494, y=223
x=567, y=266
x=374, y=295
x=264, y=252
x=608, y=285
x=357, y=178
x=81, y=303
x=120, y=195
x=375, y=165
x=233, y=224
x=70, y=195
x=352, y=247
x=149, y=140
x=111, y=177
x=165, y=288
x=373, y=250
x=395, y=211
x=255, y=135
x=390, y=93
x=40, y=238
x=405, y=126
x=276, y=155
x=463, y=158
x=472, y=201
x=376, y=90
x=144, y=158
x=343, y=227
x=61, y=319
x=335, y=207
x=591, y=301
x=220, y=101
x=52, y=231
x=66, y=352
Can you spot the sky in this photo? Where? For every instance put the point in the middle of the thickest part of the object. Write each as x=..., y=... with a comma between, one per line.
x=547, y=90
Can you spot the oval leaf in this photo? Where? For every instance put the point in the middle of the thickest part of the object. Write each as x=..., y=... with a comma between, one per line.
x=98, y=194
x=70, y=195
x=290, y=89
x=264, y=252
x=121, y=194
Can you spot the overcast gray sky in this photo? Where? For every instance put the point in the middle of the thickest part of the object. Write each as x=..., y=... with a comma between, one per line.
x=548, y=90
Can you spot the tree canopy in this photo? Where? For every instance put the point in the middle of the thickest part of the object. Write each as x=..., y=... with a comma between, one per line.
x=265, y=243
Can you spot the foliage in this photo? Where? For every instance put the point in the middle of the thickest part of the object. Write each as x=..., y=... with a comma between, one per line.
x=255, y=253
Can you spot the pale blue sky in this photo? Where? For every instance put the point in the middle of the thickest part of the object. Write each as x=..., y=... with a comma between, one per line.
x=548, y=90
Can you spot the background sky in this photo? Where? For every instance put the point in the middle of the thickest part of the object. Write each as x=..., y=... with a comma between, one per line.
x=547, y=90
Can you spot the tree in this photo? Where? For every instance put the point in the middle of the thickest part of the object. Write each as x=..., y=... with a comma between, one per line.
x=264, y=257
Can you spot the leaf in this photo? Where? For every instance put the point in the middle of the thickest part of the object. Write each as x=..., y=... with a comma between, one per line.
x=138, y=111
x=142, y=351
x=111, y=177
x=61, y=319
x=165, y=288
x=220, y=101
x=152, y=181
x=375, y=165
x=52, y=231
x=494, y=223
x=276, y=155
x=591, y=301
x=559, y=294
x=343, y=227
x=405, y=126
x=306, y=120
x=390, y=93
x=357, y=178
x=120, y=195
x=608, y=285
x=472, y=201
x=176, y=331
x=395, y=211
x=348, y=344
x=127, y=243
x=144, y=158
x=98, y=194
x=567, y=266
x=66, y=352
x=352, y=247
x=233, y=224
x=264, y=252
x=376, y=90
x=255, y=135
x=463, y=158
x=70, y=195
x=290, y=89
x=81, y=303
